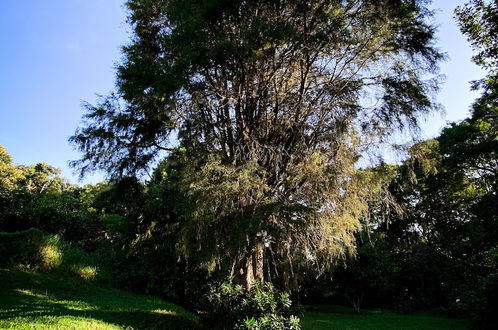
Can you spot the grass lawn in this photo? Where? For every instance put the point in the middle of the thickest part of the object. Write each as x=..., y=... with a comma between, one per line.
x=42, y=301
x=338, y=317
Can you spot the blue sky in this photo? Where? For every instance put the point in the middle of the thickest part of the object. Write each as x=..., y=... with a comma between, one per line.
x=55, y=54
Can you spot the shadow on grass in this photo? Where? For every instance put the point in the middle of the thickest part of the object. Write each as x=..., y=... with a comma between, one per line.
x=327, y=317
x=27, y=295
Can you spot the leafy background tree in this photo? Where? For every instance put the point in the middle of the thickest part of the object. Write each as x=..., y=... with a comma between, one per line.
x=441, y=248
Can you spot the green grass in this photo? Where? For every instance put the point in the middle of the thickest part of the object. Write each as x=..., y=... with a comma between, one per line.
x=31, y=300
x=338, y=317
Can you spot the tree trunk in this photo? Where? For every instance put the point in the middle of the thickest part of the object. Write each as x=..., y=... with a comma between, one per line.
x=251, y=269
x=249, y=274
x=258, y=256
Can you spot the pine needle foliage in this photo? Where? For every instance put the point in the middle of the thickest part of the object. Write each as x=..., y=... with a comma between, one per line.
x=272, y=103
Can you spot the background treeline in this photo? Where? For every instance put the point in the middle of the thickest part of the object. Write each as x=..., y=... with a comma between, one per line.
x=440, y=249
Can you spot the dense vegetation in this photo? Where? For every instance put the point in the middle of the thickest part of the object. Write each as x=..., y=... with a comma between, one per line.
x=262, y=106
x=237, y=146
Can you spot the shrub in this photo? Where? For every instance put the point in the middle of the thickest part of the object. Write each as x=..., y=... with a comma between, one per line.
x=21, y=248
x=115, y=223
x=486, y=316
x=232, y=307
x=32, y=249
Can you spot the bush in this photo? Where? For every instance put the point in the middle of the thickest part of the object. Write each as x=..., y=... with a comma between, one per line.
x=63, y=213
x=21, y=248
x=232, y=307
x=33, y=250
x=486, y=317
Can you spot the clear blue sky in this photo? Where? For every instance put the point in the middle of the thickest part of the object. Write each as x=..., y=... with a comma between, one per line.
x=55, y=54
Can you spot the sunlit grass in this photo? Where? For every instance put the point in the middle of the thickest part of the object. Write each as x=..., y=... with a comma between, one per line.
x=51, y=255
x=56, y=322
x=30, y=300
x=46, y=301
x=85, y=272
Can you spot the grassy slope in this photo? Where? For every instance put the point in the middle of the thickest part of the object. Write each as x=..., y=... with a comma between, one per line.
x=42, y=301
x=336, y=317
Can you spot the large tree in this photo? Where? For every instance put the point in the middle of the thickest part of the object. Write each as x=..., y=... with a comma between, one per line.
x=272, y=103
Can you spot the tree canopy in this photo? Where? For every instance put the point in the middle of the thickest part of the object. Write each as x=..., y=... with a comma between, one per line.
x=272, y=103
x=478, y=20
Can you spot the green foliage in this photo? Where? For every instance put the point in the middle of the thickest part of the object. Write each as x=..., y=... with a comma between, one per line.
x=433, y=253
x=486, y=316
x=9, y=174
x=478, y=19
x=57, y=212
x=21, y=248
x=267, y=101
x=486, y=297
x=455, y=208
x=35, y=251
x=152, y=262
x=37, y=197
x=425, y=279
x=448, y=190
x=115, y=223
x=264, y=103
x=232, y=307
x=35, y=178
x=367, y=277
